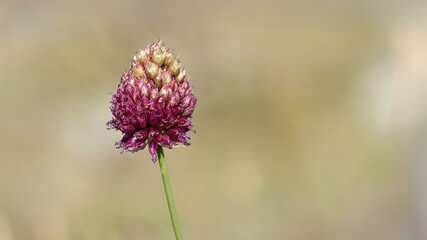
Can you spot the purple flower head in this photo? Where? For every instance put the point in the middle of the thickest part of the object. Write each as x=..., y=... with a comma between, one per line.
x=153, y=103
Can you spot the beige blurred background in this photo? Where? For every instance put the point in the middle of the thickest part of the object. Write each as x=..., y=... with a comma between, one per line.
x=311, y=121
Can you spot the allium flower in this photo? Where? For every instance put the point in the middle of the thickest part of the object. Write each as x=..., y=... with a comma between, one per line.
x=153, y=102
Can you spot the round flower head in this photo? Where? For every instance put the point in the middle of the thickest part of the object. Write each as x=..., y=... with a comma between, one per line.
x=153, y=102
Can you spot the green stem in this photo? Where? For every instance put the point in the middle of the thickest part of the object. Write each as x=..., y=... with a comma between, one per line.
x=168, y=191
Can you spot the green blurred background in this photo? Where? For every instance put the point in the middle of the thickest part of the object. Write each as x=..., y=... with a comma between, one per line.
x=311, y=121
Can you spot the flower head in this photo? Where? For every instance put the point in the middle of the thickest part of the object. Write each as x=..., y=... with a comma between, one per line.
x=153, y=102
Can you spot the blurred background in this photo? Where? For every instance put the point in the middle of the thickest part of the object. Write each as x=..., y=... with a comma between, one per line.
x=311, y=120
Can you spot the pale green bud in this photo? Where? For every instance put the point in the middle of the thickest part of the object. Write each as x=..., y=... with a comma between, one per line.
x=152, y=70
x=168, y=58
x=181, y=75
x=158, y=57
x=174, y=67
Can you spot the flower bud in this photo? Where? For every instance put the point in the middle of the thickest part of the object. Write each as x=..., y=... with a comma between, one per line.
x=138, y=71
x=141, y=134
x=135, y=96
x=186, y=101
x=142, y=56
x=175, y=98
x=183, y=88
x=193, y=101
x=167, y=78
x=144, y=90
x=132, y=81
x=181, y=76
x=158, y=80
x=168, y=58
x=158, y=57
x=152, y=70
x=128, y=128
x=165, y=140
x=174, y=67
x=187, y=112
x=140, y=83
x=166, y=91
x=185, y=85
x=174, y=86
x=129, y=89
x=154, y=94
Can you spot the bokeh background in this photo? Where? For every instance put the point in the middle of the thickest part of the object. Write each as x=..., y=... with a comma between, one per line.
x=311, y=120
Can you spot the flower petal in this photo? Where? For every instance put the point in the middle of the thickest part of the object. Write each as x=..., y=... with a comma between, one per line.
x=152, y=148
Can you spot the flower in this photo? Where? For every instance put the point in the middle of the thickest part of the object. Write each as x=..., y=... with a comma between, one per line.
x=153, y=102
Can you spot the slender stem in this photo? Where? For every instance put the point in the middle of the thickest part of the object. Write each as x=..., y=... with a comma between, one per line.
x=168, y=191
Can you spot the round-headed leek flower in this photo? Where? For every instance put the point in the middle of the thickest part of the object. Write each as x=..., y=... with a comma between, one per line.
x=153, y=102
